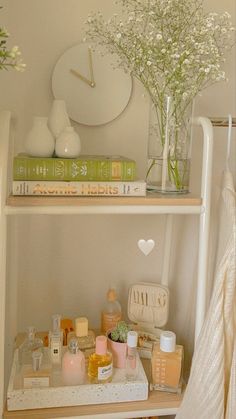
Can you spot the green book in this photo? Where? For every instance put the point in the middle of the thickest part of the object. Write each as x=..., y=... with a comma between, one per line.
x=83, y=168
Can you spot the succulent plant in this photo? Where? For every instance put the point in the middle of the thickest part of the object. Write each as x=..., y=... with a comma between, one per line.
x=119, y=334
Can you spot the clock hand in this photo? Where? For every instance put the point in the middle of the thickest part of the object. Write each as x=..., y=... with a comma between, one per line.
x=77, y=74
x=91, y=66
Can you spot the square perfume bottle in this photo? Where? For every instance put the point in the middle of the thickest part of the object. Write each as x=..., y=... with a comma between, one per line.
x=167, y=364
x=38, y=374
x=55, y=338
x=85, y=337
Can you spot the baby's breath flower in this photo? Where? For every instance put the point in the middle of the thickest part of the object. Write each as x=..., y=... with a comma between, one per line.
x=173, y=47
x=9, y=58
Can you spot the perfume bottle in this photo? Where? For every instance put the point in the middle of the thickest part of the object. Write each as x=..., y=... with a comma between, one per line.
x=167, y=363
x=100, y=363
x=73, y=365
x=30, y=344
x=55, y=339
x=37, y=375
x=132, y=354
x=85, y=337
x=111, y=314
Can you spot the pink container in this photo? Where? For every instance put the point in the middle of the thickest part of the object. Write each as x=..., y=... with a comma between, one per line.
x=119, y=351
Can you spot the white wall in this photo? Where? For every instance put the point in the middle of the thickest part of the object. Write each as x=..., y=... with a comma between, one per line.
x=65, y=264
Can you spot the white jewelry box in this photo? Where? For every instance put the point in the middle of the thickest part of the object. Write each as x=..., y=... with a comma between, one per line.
x=148, y=309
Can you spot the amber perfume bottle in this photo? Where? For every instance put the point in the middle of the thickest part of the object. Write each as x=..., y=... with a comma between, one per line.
x=167, y=364
x=100, y=363
x=111, y=313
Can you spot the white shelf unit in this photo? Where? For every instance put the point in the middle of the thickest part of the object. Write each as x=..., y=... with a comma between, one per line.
x=158, y=403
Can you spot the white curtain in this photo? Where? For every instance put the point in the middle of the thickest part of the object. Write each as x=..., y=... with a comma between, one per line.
x=211, y=390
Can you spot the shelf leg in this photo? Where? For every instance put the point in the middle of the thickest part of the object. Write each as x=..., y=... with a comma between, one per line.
x=4, y=144
x=204, y=223
x=167, y=250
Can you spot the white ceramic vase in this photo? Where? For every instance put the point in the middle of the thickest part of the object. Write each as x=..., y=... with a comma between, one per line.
x=40, y=141
x=58, y=118
x=68, y=144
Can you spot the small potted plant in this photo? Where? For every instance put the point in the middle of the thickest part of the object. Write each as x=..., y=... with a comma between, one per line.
x=117, y=339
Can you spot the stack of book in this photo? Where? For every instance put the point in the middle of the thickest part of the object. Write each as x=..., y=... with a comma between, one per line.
x=82, y=176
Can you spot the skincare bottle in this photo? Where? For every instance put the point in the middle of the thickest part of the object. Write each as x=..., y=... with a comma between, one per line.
x=36, y=375
x=132, y=354
x=56, y=340
x=73, y=365
x=167, y=363
x=85, y=337
x=111, y=314
x=100, y=366
x=30, y=344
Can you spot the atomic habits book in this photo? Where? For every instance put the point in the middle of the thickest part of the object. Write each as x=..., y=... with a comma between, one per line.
x=61, y=188
x=83, y=168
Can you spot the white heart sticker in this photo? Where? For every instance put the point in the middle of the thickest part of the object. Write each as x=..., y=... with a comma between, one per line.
x=146, y=246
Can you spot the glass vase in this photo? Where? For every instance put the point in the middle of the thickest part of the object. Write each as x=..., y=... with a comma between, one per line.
x=169, y=146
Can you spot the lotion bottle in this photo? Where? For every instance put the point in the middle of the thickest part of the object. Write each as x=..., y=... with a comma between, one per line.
x=167, y=363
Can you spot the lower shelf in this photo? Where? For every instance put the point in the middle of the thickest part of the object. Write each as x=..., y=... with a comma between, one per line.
x=158, y=403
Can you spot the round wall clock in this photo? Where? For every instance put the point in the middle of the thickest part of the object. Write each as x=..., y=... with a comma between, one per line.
x=95, y=91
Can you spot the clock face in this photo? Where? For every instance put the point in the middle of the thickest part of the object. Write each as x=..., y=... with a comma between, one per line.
x=95, y=92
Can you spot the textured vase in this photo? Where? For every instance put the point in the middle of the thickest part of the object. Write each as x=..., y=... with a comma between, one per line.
x=68, y=144
x=169, y=146
x=119, y=352
x=58, y=118
x=40, y=141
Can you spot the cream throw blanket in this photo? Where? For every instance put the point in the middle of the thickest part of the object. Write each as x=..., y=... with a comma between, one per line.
x=211, y=390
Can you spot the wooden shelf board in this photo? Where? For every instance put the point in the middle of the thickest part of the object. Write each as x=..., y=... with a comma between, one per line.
x=157, y=403
x=150, y=199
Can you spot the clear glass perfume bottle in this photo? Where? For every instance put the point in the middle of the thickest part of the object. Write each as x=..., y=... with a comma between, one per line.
x=73, y=365
x=37, y=374
x=132, y=354
x=167, y=364
x=55, y=338
x=85, y=337
x=30, y=344
x=100, y=366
